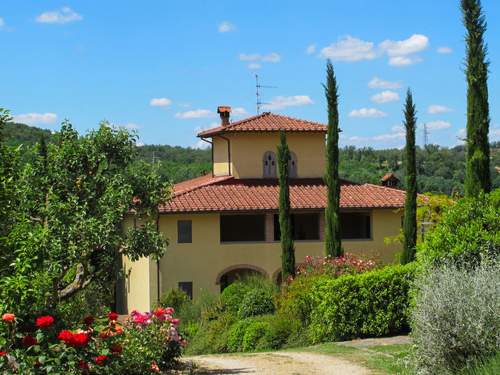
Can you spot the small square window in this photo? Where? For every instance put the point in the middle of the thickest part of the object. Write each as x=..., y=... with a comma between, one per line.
x=184, y=231
x=187, y=287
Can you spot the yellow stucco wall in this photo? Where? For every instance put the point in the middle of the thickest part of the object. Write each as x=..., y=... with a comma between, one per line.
x=206, y=258
x=203, y=260
x=247, y=151
x=220, y=152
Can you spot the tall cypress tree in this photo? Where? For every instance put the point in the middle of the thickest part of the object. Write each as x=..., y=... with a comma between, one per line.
x=410, y=214
x=285, y=219
x=333, y=245
x=477, y=172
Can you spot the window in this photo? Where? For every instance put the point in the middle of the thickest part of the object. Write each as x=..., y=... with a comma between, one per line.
x=269, y=164
x=187, y=287
x=184, y=231
x=241, y=228
x=292, y=165
x=355, y=225
x=304, y=227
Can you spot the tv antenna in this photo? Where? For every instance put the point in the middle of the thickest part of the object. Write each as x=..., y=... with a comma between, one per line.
x=258, y=86
x=426, y=136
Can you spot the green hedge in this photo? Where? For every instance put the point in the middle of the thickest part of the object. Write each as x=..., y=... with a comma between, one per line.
x=468, y=232
x=370, y=304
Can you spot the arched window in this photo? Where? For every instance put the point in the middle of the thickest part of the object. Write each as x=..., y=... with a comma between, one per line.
x=269, y=164
x=292, y=165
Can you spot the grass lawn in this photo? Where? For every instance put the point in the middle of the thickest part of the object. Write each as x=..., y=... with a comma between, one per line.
x=385, y=359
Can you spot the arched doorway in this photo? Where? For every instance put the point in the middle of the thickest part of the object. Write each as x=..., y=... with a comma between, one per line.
x=236, y=273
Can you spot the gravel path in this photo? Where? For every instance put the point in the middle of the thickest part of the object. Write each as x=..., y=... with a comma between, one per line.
x=276, y=363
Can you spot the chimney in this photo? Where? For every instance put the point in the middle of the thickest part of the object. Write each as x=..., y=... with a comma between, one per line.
x=224, y=111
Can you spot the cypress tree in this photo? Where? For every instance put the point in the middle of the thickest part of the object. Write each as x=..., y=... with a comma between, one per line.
x=410, y=214
x=477, y=172
x=285, y=219
x=333, y=246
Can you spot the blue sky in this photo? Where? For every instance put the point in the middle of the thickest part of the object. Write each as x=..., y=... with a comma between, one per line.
x=162, y=67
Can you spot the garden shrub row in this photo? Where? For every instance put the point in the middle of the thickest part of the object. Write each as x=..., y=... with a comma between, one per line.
x=374, y=303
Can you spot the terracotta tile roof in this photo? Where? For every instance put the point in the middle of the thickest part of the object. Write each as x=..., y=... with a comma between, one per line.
x=266, y=122
x=218, y=194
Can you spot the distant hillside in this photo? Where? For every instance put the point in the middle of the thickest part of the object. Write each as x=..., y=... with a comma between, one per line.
x=16, y=134
x=441, y=169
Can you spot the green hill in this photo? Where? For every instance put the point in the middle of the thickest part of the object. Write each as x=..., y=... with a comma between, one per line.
x=441, y=169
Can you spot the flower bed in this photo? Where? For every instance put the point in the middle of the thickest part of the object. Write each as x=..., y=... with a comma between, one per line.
x=145, y=342
x=346, y=264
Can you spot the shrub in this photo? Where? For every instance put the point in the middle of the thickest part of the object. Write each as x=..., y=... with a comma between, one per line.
x=212, y=335
x=232, y=296
x=295, y=299
x=99, y=346
x=468, y=232
x=489, y=366
x=281, y=328
x=235, y=335
x=174, y=298
x=254, y=333
x=455, y=320
x=256, y=302
x=346, y=264
x=369, y=304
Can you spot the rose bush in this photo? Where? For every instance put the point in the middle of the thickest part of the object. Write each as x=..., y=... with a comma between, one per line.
x=144, y=343
x=346, y=264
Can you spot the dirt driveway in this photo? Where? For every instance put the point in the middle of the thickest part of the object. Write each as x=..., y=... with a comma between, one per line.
x=277, y=363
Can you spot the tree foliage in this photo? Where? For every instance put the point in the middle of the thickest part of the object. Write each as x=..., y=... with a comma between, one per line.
x=285, y=218
x=66, y=210
x=477, y=173
x=410, y=213
x=333, y=246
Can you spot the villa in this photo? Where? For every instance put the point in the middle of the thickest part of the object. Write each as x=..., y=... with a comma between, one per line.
x=224, y=225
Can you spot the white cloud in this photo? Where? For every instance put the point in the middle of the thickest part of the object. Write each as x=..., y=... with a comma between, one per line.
x=377, y=83
x=225, y=27
x=160, y=102
x=414, y=44
x=437, y=108
x=238, y=111
x=280, y=102
x=2, y=23
x=438, y=125
x=36, y=118
x=397, y=133
x=367, y=113
x=349, y=49
x=272, y=57
x=139, y=144
x=444, y=50
x=63, y=15
x=385, y=97
x=311, y=48
x=195, y=113
x=254, y=66
x=130, y=126
x=404, y=60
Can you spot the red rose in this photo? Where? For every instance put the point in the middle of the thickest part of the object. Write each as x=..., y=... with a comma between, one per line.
x=80, y=339
x=8, y=317
x=65, y=336
x=101, y=360
x=44, y=321
x=112, y=316
x=29, y=341
x=159, y=311
x=89, y=320
x=76, y=340
x=116, y=348
x=83, y=365
x=3, y=354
